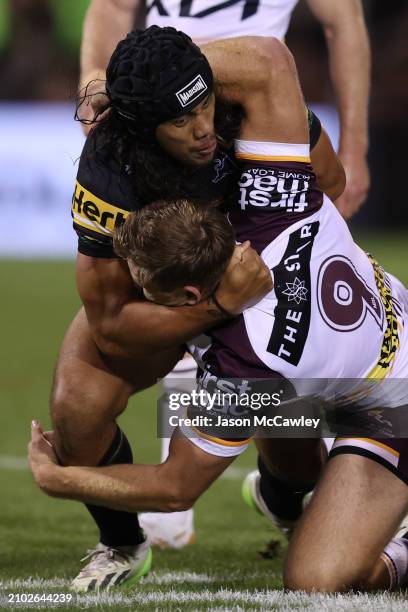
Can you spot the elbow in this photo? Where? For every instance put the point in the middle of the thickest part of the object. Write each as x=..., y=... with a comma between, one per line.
x=103, y=337
x=103, y=334
x=339, y=184
x=179, y=505
x=180, y=498
x=334, y=185
x=270, y=58
x=275, y=57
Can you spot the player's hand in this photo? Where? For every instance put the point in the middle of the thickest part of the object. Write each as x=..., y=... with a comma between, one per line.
x=245, y=282
x=41, y=455
x=94, y=101
x=357, y=185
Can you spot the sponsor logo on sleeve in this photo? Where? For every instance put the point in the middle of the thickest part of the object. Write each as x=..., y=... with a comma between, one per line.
x=276, y=189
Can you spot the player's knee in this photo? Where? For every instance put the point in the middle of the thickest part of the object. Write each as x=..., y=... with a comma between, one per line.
x=76, y=402
x=79, y=418
x=310, y=583
x=66, y=406
x=66, y=395
x=312, y=578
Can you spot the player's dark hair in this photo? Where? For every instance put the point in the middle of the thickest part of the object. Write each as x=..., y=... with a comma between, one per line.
x=176, y=243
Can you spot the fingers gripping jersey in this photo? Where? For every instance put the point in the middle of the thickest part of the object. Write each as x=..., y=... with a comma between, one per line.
x=105, y=193
x=212, y=19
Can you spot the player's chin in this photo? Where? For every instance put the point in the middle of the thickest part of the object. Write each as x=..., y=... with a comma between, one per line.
x=199, y=159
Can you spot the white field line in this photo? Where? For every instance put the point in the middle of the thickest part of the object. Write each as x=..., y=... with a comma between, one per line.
x=155, y=578
x=14, y=462
x=266, y=600
x=178, y=578
x=233, y=600
x=33, y=583
x=261, y=600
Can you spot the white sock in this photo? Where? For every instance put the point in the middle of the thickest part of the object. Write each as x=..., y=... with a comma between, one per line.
x=395, y=557
x=186, y=369
x=165, y=443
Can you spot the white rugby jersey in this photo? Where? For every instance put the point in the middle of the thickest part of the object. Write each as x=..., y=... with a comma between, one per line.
x=333, y=312
x=214, y=19
x=334, y=324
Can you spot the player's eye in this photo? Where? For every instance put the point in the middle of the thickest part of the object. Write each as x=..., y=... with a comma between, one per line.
x=206, y=102
x=180, y=122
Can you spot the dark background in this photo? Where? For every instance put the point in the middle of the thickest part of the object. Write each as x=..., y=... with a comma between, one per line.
x=39, y=44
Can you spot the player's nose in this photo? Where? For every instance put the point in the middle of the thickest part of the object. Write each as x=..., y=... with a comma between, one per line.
x=203, y=126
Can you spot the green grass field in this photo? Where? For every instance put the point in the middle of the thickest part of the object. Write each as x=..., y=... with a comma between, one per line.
x=42, y=540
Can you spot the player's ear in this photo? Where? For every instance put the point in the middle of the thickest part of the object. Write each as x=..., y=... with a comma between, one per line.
x=193, y=295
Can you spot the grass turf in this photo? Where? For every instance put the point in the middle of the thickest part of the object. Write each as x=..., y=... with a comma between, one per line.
x=43, y=539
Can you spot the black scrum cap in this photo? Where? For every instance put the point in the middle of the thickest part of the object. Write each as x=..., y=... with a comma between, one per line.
x=156, y=75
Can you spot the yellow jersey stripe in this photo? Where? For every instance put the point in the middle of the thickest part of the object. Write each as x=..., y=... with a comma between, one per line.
x=256, y=157
x=375, y=443
x=92, y=213
x=219, y=440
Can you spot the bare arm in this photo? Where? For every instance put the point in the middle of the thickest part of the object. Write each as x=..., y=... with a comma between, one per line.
x=124, y=326
x=170, y=486
x=331, y=178
x=106, y=23
x=349, y=56
x=260, y=74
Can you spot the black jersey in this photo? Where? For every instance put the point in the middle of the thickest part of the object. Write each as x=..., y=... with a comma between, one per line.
x=105, y=193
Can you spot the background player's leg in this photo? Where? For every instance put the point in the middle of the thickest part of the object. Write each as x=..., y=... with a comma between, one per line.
x=176, y=529
x=90, y=391
x=355, y=511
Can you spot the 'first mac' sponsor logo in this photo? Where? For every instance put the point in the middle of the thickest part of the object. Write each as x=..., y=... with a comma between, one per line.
x=191, y=91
